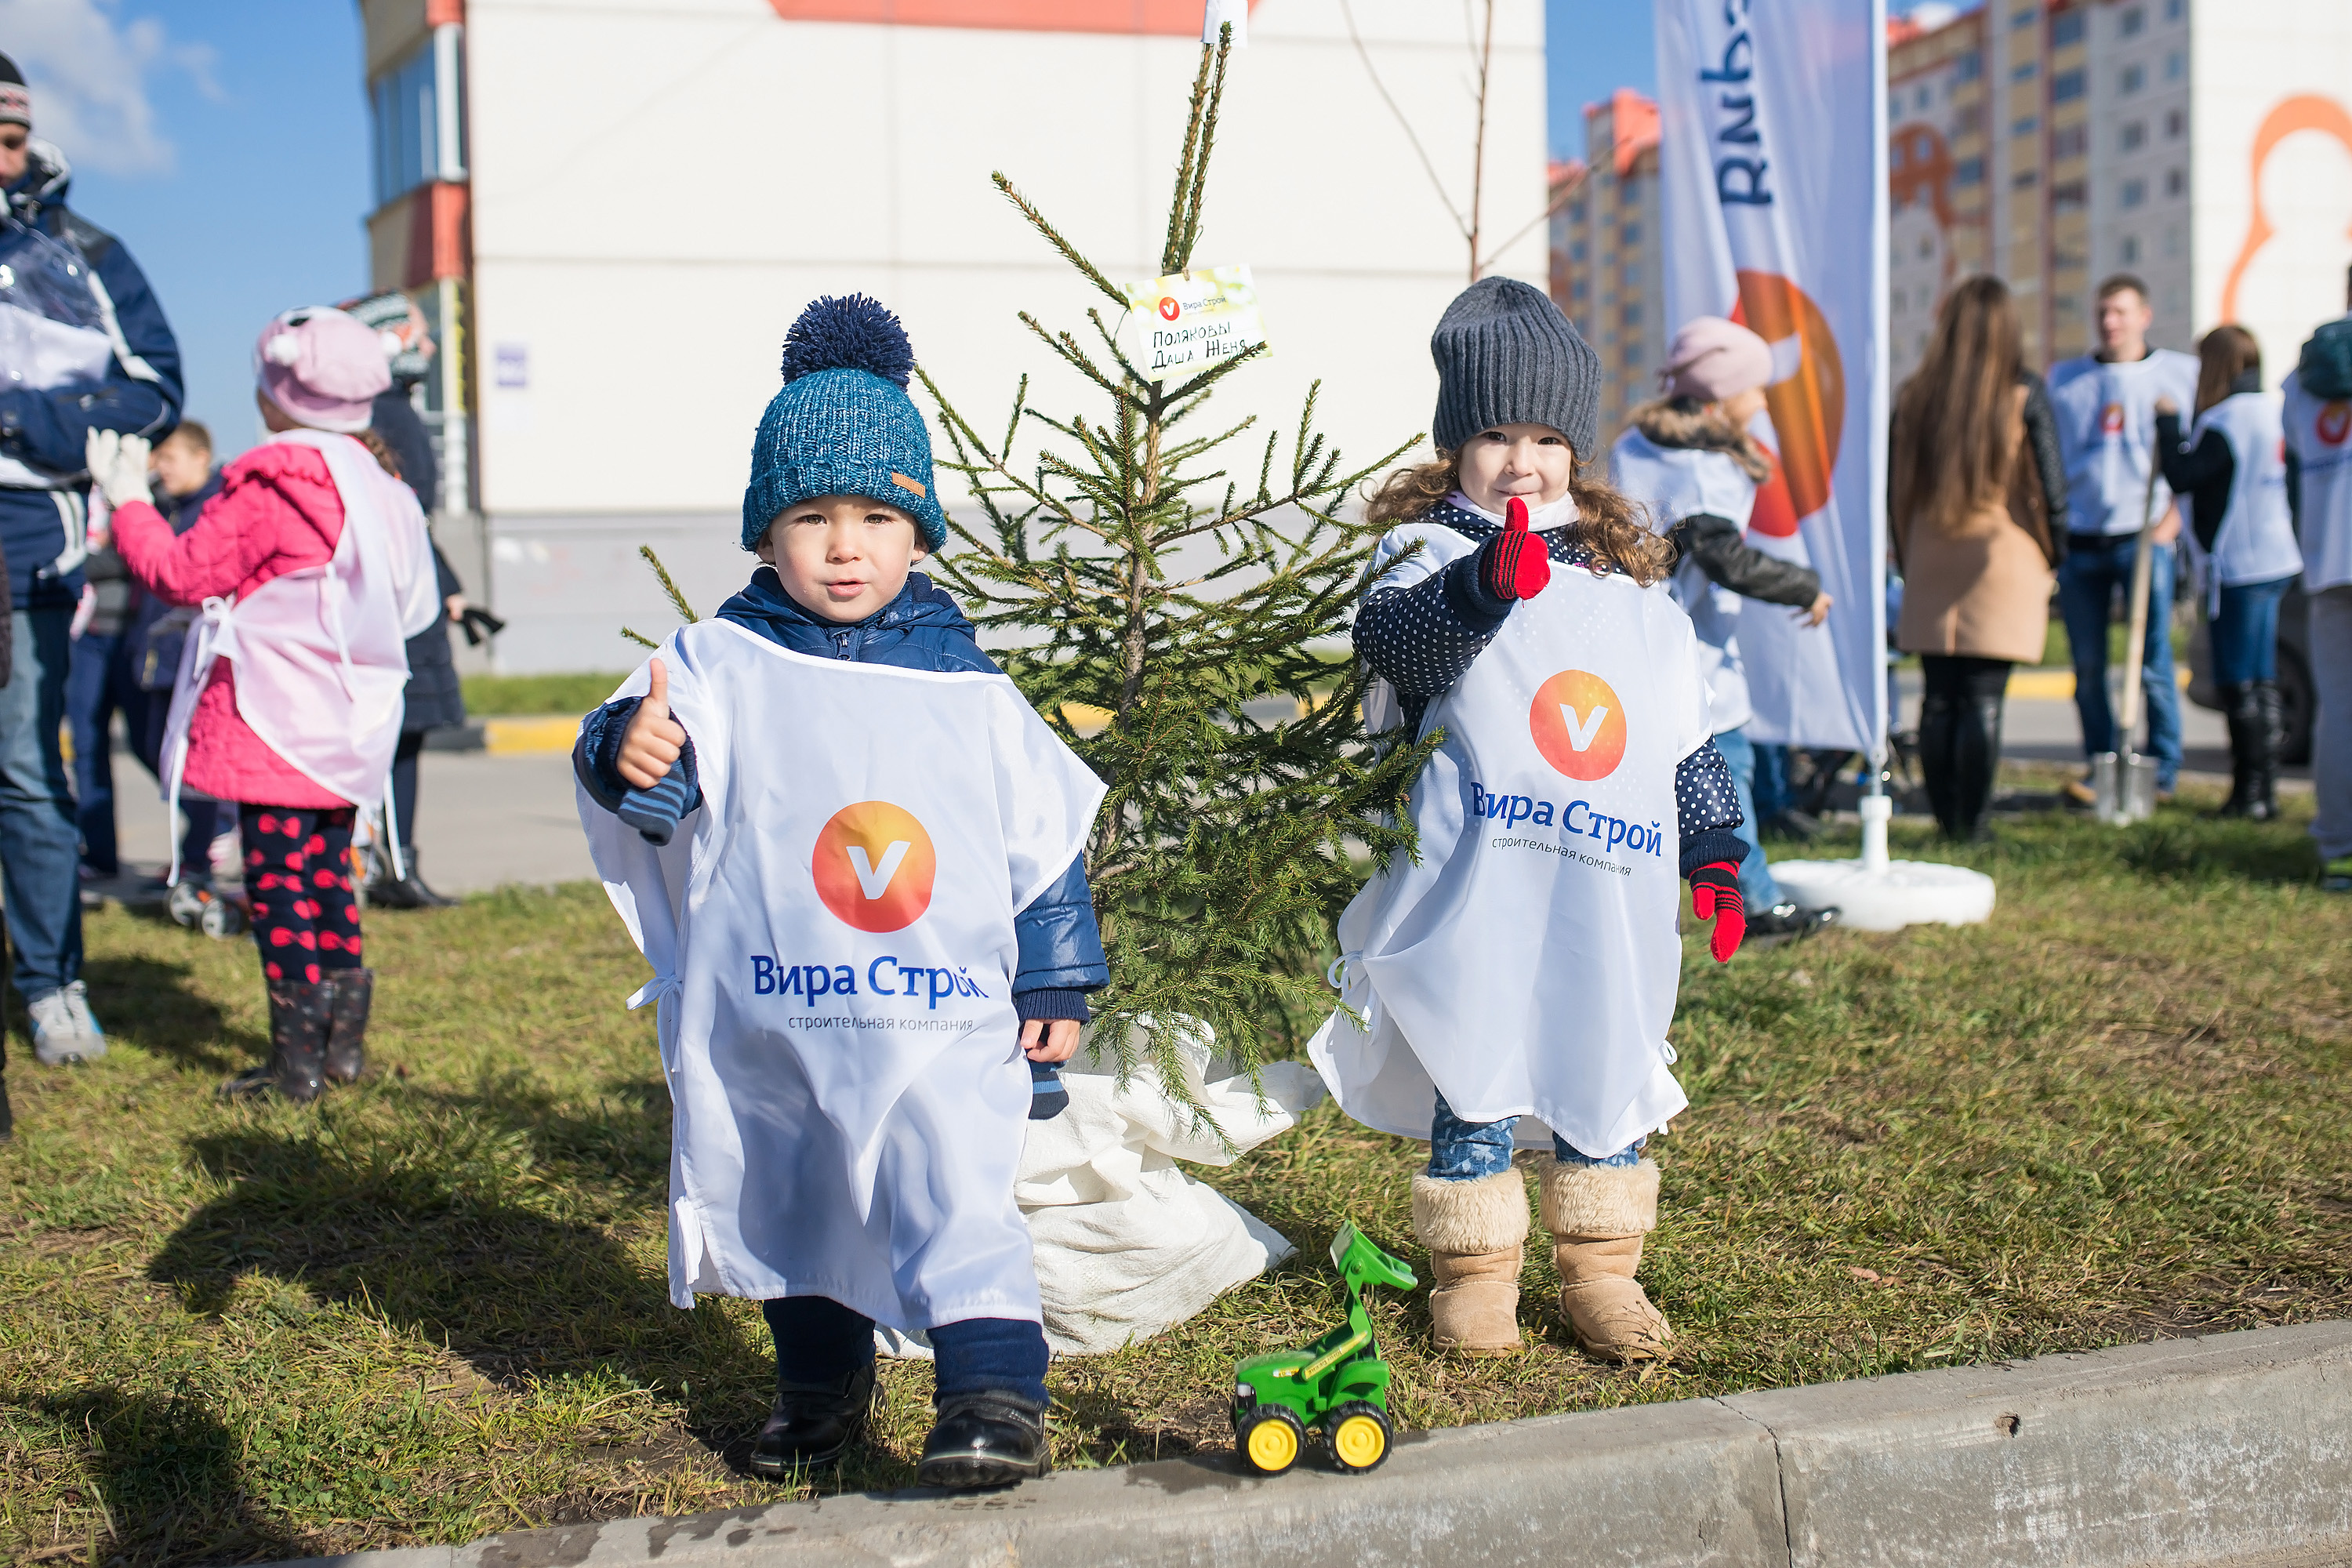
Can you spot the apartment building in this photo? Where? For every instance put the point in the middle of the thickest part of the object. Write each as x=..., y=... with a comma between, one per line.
x=614, y=208
x=2205, y=147
x=1607, y=270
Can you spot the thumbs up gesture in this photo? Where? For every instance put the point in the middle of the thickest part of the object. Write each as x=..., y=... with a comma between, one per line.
x=654, y=738
x=1514, y=563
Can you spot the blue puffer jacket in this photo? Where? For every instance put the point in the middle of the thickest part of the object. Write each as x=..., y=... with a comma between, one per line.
x=47, y=429
x=1061, y=956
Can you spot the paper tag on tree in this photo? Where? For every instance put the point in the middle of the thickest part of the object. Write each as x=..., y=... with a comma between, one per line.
x=1214, y=13
x=1187, y=322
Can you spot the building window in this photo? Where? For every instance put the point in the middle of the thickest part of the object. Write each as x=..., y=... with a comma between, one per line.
x=2134, y=20
x=1576, y=211
x=1969, y=173
x=1968, y=121
x=2022, y=18
x=1921, y=99
x=2025, y=127
x=2133, y=79
x=1632, y=234
x=2024, y=72
x=1631, y=315
x=2070, y=197
x=2174, y=9
x=2065, y=29
x=2172, y=242
x=2176, y=182
x=1582, y=290
x=2024, y=179
x=2133, y=194
x=2176, y=120
x=1633, y=356
x=404, y=111
x=2066, y=86
x=2133, y=136
x=2070, y=142
x=1968, y=66
x=2127, y=253
x=2175, y=66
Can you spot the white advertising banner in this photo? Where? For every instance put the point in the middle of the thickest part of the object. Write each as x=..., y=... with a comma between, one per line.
x=1773, y=151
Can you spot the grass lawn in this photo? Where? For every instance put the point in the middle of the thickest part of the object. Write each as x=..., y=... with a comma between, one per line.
x=435, y=1307
x=506, y=696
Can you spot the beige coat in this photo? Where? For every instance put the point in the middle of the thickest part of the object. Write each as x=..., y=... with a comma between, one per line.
x=1978, y=584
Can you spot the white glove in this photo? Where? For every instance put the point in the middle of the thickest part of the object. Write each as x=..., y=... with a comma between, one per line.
x=118, y=466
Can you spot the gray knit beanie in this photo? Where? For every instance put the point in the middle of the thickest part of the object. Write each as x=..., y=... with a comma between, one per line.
x=1506, y=356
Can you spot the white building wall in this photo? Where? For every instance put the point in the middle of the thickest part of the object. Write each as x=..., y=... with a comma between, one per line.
x=660, y=186
x=2283, y=65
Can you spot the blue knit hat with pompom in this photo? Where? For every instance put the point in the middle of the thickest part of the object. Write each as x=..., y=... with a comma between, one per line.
x=843, y=425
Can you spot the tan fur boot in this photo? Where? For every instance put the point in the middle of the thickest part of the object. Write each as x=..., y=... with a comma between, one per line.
x=1597, y=1216
x=1476, y=1234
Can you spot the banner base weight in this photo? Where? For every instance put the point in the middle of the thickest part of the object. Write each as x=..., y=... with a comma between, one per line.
x=1888, y=898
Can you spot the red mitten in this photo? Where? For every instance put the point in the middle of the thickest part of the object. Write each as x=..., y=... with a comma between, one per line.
x=1715, y=896
x=1514, y=563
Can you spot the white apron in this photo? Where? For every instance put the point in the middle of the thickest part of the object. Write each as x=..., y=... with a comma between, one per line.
x=2320, y=431
x=322, y=653
x=1529, y=963
x=1673, y=483
x=2255, y=542
x=834, y=951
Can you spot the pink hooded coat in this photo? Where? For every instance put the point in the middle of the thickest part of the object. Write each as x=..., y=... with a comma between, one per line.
x=277, y=512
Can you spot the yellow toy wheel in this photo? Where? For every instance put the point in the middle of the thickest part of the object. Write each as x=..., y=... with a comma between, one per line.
x=1271, y=1437
x=1360, y=1435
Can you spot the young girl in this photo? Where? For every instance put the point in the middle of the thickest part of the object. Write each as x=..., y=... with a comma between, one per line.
x=1527, y=963
x=2232, y=468
x=1689, y=460
x=313, y=569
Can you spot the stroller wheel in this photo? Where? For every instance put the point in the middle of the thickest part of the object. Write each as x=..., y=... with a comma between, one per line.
x=185, y=903
x=222, y=920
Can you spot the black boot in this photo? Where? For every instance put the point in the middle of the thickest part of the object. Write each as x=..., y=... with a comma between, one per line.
x=2269, y=737
x=1938, y=721
x=409, y=893
x=813, y=1424
x=988, y=1440
x=298, y=1021
x=350, y=993
x=1975, y=764
x=2242, y=710
x=7, y=1117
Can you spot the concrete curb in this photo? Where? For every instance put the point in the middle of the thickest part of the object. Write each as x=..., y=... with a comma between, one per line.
x=2235, y=1449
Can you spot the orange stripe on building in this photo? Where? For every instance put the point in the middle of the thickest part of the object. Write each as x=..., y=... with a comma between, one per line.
x=2304, y=112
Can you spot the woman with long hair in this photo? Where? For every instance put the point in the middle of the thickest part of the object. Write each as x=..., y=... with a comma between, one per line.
x=1974, y=484
x=2232, y=468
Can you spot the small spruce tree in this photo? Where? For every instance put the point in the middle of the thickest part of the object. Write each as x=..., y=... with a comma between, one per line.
x=1159, y=606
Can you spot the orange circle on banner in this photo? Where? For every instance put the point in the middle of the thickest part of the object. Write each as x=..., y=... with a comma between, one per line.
x=1808, y=407
x=1578, y=725
x=874, y=866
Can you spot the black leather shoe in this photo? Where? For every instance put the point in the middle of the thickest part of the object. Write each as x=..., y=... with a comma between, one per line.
x=984, y=1440
x=1789, y=922
x=813, y=1424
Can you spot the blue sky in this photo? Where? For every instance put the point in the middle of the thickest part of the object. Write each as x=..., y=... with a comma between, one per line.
x=240, y=181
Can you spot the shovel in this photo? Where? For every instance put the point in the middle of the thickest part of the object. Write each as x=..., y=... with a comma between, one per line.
x=2123, y=781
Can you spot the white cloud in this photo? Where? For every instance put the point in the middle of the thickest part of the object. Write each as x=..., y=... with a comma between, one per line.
x=89, y=69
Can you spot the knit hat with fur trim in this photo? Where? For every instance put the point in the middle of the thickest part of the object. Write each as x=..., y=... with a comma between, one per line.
x=1506, y=356
x=843, y=425
x=1712, y=358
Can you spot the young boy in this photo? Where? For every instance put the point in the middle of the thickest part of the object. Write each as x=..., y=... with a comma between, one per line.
x=877, y=908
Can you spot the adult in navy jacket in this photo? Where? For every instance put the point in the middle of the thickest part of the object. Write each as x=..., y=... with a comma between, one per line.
x=133, y=387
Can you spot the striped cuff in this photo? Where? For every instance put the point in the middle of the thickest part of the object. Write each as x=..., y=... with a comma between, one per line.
x=1052, y=1002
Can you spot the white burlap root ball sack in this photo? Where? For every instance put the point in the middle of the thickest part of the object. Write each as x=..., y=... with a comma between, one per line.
x=1126, y=1244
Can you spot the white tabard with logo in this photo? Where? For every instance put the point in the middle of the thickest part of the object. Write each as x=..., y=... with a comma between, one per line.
x=832, y=945
x=1528, y=962
x=2255, y=541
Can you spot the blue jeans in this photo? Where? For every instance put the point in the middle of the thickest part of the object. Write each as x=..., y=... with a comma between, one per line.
x=1757, y=890
x=40, y=843
x=99, y=684
x=2245, y=632
x=1462, y=1150
x=1771, y=784
x=2094, y=568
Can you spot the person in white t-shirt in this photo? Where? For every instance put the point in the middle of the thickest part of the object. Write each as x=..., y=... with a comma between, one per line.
x=2318, y=414
x=2106, y=408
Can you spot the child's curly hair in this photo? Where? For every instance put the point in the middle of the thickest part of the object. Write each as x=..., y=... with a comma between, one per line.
x=1612, y=527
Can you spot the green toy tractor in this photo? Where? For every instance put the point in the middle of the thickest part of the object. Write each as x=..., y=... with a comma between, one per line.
x=1338, y=1384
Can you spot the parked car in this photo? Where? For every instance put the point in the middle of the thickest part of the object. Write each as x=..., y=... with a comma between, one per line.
x=2294, y=671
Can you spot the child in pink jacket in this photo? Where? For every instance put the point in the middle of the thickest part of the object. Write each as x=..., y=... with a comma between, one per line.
x=282, y=514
